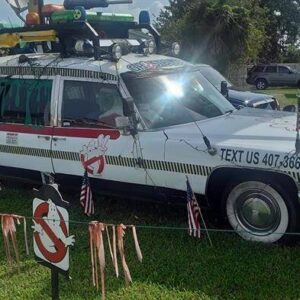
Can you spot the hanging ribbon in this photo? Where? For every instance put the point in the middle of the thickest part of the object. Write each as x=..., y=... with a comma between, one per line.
x=137, y=245
x=113, y=249
x=9, y=233
x=97, y=252
x=121, y=233
x=96, y=230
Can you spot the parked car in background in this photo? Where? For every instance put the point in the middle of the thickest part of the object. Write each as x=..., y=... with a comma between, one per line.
x=263, y=76
x=239, y=98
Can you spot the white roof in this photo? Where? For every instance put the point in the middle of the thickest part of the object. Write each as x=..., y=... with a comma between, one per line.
x=130, y=62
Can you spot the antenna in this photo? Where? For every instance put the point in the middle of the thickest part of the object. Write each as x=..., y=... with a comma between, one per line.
x=88, y=4
x=18, y=7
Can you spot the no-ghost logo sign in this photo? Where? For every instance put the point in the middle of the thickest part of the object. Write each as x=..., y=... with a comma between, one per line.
x=51, y=238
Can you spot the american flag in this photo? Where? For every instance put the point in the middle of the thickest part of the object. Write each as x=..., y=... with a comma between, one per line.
x=86, y=197
x=194, y=212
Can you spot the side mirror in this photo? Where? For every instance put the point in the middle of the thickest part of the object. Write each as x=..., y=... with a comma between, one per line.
x=290, y=108
x=224, y=88
x=128, y=107
x=125, y=125
x=122, y=123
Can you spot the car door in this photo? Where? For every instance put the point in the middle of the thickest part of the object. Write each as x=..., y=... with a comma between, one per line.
x=86, y=138
x=272, y=76
x=26, y=126
x=286, y=76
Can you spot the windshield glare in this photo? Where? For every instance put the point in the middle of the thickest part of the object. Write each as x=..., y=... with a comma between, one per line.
x=213, y=76
x=173, y=99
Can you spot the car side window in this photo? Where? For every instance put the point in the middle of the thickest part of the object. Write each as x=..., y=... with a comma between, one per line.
x=259, y=69
x=90, y=104
x=271, y=69
x=284, y=70
x=25, y=101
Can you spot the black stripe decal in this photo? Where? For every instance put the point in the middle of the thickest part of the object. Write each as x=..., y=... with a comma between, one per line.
x=50, y=71
x=120, y=161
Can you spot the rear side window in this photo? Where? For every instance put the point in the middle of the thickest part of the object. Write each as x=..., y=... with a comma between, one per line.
x=271, y=69
x=25, y=101
x=259, y=69
x=284, y=70
x=90, y=104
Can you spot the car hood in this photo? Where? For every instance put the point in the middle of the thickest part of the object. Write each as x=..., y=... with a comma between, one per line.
x=245, y=128
x=252, y=98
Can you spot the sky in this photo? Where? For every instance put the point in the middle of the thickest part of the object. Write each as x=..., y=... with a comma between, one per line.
x=154, y=6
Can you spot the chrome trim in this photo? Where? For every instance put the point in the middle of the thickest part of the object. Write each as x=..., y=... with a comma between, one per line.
x=263, y=102
x=55, y=114
x=252, y=169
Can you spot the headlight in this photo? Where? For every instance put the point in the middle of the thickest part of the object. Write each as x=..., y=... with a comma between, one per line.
x=116, y=52
x=148, y=47
x=151, y=47
x=176, y=49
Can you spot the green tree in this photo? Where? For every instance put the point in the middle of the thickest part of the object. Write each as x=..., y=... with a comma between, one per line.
x=291, y=54
x=283, y=29
x=215, y=32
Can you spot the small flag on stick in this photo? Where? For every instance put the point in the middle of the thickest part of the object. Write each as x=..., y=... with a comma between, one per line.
x=194, y=214
x=86, y=197
x=193, y=210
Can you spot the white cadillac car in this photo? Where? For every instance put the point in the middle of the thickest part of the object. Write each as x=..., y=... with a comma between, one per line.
x=140, y=126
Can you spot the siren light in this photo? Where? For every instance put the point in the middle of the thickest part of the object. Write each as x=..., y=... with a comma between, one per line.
x=144, y=17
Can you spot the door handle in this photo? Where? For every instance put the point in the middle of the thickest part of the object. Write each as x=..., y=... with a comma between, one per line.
x=55, y=139
x=45, y=137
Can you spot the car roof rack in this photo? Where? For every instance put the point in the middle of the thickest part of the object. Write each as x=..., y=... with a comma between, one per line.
x=64, y=25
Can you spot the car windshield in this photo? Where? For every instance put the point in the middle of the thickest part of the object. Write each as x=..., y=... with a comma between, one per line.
x=166, y=100
x=213, y=76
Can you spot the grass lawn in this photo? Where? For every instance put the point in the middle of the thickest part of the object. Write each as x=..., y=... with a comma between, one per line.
x=284, y=95
x=175, y=266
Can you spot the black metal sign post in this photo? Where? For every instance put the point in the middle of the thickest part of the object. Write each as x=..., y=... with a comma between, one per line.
x=55, y=284
x=51, y=219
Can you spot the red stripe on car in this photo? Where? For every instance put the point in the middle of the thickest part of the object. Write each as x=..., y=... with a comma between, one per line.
x=61, y=131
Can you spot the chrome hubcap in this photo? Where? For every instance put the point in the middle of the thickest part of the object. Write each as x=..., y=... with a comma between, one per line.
x=258, y=212
x=261, y=85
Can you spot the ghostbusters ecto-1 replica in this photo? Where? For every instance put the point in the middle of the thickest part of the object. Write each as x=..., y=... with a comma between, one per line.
x=84, y=90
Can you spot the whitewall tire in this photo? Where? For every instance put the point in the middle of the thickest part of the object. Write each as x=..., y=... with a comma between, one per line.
x=257, y=212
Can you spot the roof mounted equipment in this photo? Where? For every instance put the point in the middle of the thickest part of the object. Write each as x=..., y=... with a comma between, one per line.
x=88, y=4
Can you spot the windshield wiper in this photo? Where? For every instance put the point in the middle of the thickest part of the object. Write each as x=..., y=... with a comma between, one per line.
x=230, y=111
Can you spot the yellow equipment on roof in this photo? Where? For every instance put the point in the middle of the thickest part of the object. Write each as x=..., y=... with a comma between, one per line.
x=9, y=40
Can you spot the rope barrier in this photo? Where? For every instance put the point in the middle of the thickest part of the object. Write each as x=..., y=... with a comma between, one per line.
x=154, y=227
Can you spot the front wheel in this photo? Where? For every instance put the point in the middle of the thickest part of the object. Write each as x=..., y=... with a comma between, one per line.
x=261, y=84
x=258, y=212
